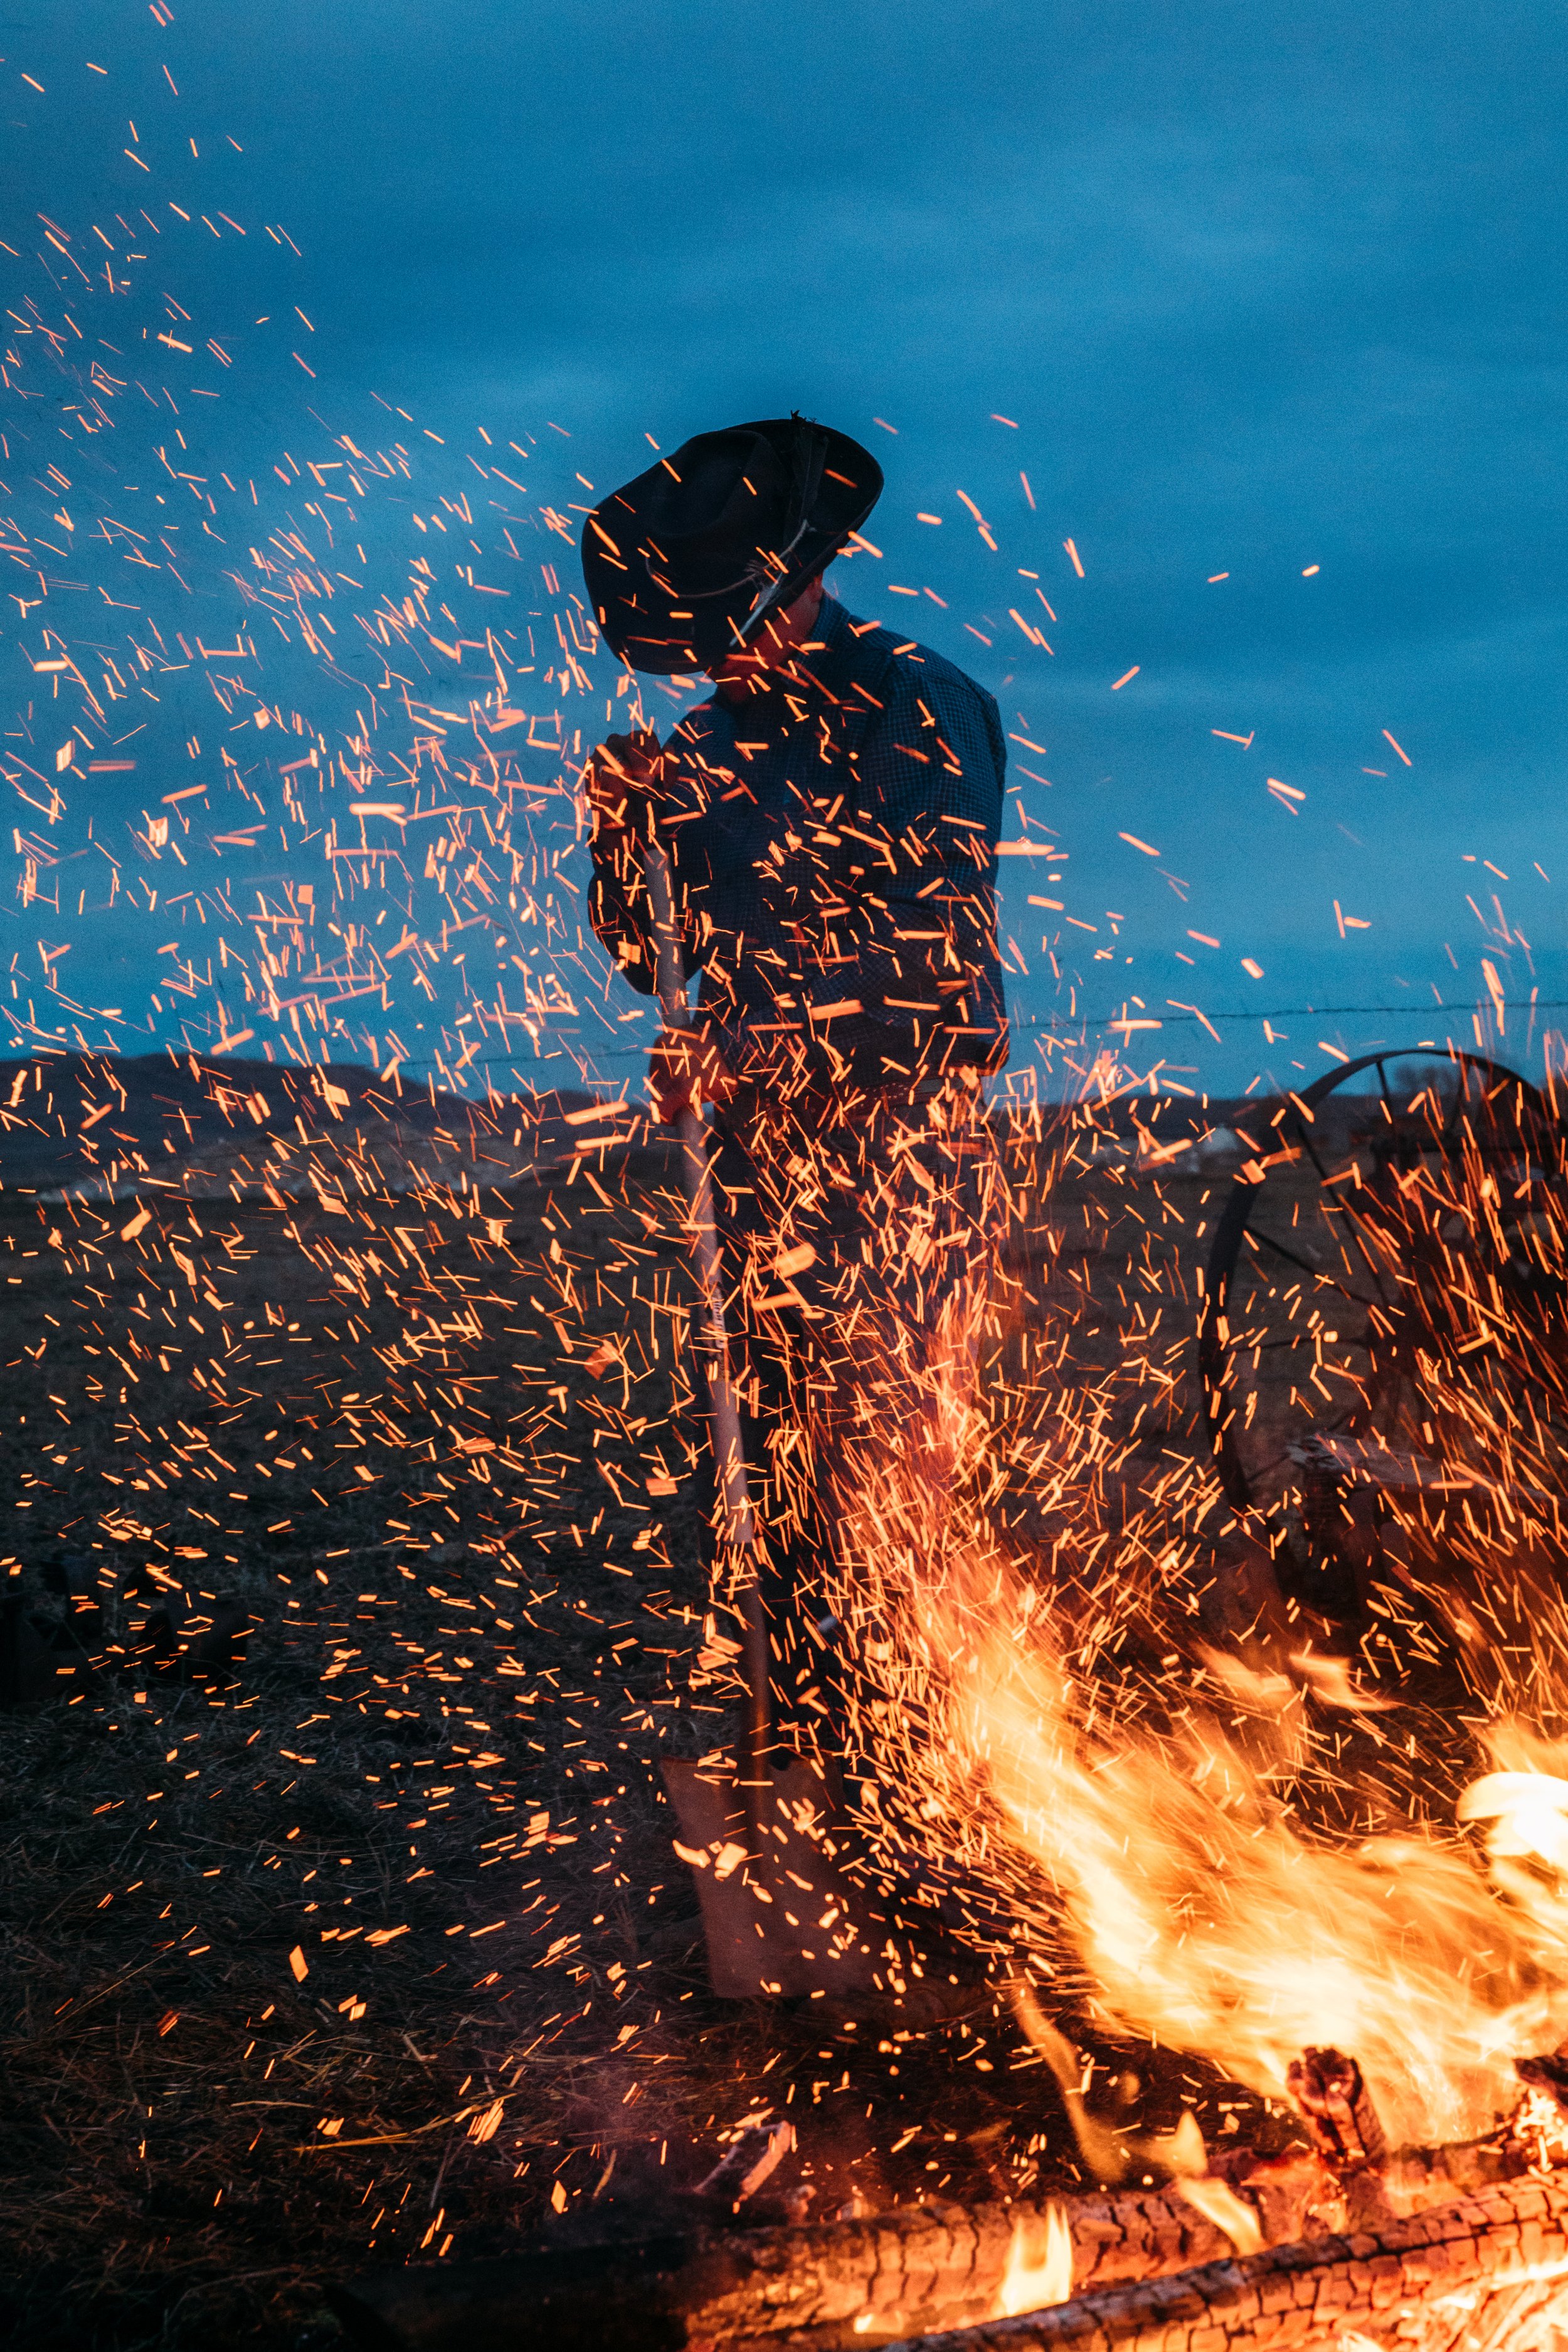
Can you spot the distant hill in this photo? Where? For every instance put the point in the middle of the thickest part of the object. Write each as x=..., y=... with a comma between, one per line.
x=107, y=1126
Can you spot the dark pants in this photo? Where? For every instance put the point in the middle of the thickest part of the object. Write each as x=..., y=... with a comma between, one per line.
x=859, y=1251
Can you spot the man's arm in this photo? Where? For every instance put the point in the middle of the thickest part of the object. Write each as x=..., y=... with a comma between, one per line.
x=621, y=777
x=627, y=777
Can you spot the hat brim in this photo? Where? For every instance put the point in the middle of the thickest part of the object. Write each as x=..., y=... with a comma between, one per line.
x=654, y=630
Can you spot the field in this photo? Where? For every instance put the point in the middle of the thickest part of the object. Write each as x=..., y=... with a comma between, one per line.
x=340, y=1920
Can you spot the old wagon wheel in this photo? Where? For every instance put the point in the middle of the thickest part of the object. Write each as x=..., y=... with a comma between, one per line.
x=1384, y=1338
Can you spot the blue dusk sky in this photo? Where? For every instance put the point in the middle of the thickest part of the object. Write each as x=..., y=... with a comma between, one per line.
x=1272, y=298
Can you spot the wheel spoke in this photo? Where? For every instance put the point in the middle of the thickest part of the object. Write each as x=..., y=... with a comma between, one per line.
x=1461, y=1096
x=1360, y=1228
x=1267, y=1346
x=1282, y=1249
x=1317, y=1272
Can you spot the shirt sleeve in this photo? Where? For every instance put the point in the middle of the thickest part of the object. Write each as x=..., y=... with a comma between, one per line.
x=617, y=908
x=617, y=894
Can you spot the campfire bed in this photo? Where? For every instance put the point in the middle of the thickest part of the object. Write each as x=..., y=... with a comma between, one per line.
x=1427, y=2249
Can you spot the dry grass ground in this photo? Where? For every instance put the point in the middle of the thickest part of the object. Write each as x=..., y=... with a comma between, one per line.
x=374, y=1945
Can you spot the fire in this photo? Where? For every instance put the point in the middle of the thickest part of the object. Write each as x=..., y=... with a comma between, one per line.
x=1207, y=1918
x=1529, y=1813
x=1220, y=2203
x=1038, y=2272
x=1182, y=1862
x=1039, y=2263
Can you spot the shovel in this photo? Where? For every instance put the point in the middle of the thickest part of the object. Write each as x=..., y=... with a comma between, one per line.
x=779, y=1917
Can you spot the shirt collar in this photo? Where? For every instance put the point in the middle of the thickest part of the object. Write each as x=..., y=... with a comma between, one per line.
x=826, y=671
x=829, y=669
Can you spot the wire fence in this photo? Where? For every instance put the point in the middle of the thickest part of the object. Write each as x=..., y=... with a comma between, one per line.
x=1168, y=1016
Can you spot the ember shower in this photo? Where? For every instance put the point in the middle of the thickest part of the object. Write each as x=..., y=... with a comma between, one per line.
x=301, y=739
x=221, y=742
x=293, y=756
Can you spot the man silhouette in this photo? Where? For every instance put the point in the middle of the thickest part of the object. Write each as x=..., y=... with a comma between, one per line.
x=830, y=815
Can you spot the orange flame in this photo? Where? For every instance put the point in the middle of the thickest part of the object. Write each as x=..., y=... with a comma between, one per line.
x=1208, y=1920
x=1039, y=2265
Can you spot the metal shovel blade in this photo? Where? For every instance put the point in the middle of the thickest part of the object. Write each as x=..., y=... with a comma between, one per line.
x=785, y=1922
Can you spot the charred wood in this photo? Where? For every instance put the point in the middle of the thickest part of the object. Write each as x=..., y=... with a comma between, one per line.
x=1337, y=2108
x=834, y=2286
x=1490, y=2273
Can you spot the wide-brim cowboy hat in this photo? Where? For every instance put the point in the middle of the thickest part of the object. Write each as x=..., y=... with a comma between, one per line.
x=685, y=563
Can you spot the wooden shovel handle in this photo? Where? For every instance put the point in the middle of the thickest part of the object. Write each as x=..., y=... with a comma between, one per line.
x=739, y=1520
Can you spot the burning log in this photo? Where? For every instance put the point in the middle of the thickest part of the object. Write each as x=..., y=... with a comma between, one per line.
x=1490, y=2270
x=1337, y=2107
x=837, y=2286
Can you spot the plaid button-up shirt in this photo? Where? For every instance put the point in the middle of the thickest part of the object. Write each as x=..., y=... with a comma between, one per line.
x=832, y=840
